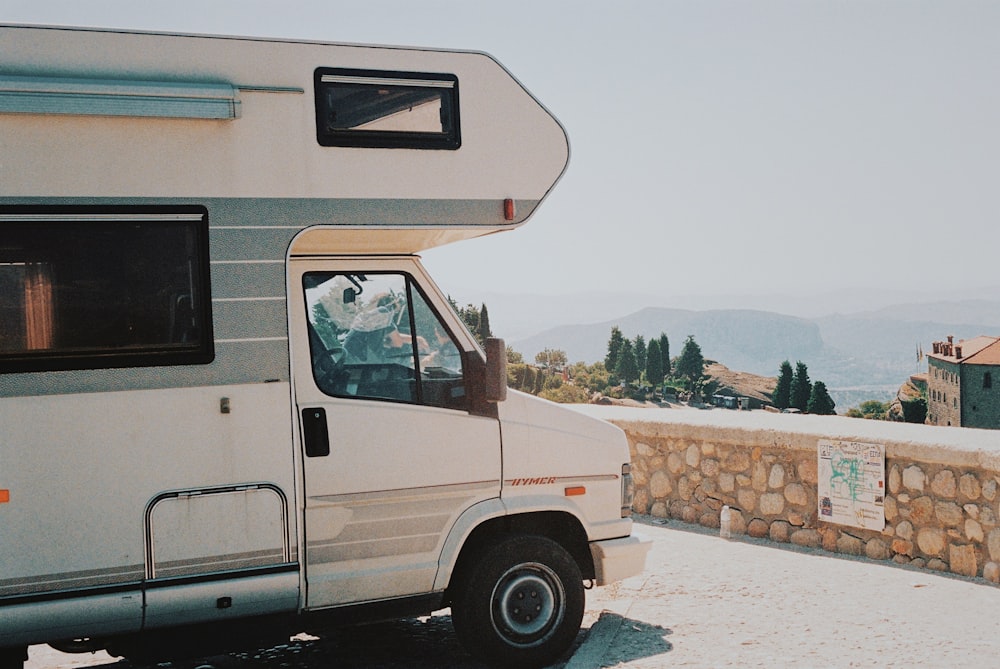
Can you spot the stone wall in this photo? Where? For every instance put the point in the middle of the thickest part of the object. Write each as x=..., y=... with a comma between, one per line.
x=941, y=503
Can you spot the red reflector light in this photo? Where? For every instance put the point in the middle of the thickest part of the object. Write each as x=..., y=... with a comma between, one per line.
x=508, y=209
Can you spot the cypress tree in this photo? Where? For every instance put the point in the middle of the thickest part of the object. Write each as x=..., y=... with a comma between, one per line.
x=614, y=349
x=627, y=369
x=665, y=353
x=691, y=363
x=654, y=363
x=820, y=401
x=782, y=396
x=801, y=387
x=640, y=352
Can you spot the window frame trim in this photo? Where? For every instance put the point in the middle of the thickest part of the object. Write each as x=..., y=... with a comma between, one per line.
x=410, y=283
x=149, y=356
x=390, y=139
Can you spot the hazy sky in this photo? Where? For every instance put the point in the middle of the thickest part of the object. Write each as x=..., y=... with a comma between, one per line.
x=740, y=147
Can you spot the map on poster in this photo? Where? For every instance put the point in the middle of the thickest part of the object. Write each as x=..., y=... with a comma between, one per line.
x=851, y=486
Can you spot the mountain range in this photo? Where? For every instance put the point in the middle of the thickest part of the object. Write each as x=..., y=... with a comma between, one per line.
x=859, y=355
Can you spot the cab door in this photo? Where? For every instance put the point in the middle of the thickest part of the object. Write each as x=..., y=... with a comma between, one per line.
x=395, y=444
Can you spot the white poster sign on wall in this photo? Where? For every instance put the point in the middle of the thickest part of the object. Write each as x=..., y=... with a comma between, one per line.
x=851, y=487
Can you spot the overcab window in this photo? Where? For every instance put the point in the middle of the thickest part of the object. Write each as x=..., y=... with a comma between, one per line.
x=86, y=289
x=379, y=109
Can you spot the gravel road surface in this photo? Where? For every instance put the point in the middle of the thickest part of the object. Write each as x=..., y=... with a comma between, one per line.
x=702, y=602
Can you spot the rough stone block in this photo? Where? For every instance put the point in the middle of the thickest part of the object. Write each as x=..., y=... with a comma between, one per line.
x=737, y=461
x=675, y=463
x=727, y=482
x=914, y=478
x=850, y=545
x=948, y=514
x=689, y=514
x=707, y=448
x=895, y=479
x=931, y=541
x=808, y=472
x=709, y=519
x=776, y=477
x=990, y=490
x=772, y=504
x=685, y=489
x=658, y=510
x=905, y=530
x=747, y=499
x=891, y=509
x=830, y=537
x=921, y=510
x=660, y=485
x=779, y=531
x=806, y=537
x=991, y=572
x=796, y=494
x=969, y=488
x=758, y=528
x=937, y=564
x=962, y=560
x=876, y=549
x=710, y=467
x=993, y=544
x=902, y=546
x=974, y=531
x=943, y=484
x=692, y=456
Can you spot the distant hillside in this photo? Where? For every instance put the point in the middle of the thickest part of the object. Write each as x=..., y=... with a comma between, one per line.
x=862, y=351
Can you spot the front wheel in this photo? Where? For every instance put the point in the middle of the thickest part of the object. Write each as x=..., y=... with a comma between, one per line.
x=521, y=603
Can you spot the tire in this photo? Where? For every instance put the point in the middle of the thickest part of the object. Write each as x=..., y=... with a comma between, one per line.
x=489, y=612
x=13, y=658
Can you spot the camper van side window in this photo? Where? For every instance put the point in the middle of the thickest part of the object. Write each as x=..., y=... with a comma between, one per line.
x=374, y=336
x=86, y=289
x=378, y=109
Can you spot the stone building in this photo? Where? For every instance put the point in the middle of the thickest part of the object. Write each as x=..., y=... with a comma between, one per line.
x=963, y=383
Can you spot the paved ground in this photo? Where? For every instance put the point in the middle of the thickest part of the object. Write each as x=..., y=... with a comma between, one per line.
x=703, y=602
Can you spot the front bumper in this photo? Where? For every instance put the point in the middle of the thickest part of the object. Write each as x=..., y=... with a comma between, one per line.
x=618, y=559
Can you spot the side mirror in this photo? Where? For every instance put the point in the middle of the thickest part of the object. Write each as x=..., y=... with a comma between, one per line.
x=496, y=370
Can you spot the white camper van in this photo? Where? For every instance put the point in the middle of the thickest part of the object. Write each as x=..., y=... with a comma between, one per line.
x=233, y=406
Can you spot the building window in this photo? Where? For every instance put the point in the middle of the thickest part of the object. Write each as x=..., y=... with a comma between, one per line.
x=83, y=288
x=988, y=380
x=378, y=109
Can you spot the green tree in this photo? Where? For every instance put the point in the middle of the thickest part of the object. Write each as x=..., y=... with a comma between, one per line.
x=870, y=409
x=782, y=397
x=820, y=401
x=614, y=349
x=665, y=354
x=639, y=347
x=514, y=357
x=915, y=410
x=801, y=387
x=654, y=363
x=691, y=364
x=627, y=369
x=551, y=359
x=482, y=330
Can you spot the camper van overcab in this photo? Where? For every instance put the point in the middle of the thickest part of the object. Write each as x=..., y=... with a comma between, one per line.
x=233, y=405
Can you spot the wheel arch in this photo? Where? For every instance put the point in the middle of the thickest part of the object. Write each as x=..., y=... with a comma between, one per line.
x=560, y=526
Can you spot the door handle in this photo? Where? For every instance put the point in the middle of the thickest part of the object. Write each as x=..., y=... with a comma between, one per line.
x=315, y=432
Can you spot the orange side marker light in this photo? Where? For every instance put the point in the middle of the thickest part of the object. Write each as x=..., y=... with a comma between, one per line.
x=4, y=496
x=576, y=490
